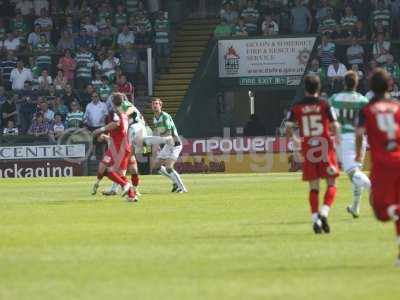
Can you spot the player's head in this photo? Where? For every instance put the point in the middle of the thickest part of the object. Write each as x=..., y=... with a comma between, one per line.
x=312, y=84
x=117, y=100
x=379, y=82
x=156, y=105
x=351, y=81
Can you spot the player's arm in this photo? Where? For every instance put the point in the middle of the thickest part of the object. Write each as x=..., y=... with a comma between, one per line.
x=360, y=133
x=290, y=131
x=114, y=124
x=334, y=126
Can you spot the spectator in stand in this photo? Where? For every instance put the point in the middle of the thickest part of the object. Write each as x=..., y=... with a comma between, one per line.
x=109, y=65
x=47, y=113
x=349, y=20
x=317, y=70
x=19, y=75
x=381, y=49
x=301, y=18
x=25, y=7
x=327, y=51
x=67, y=64
x=240, y=29
x=57, y=128
x=40, y=127
x=45, y=23
x=12, y=43
x=9, y=110
x=335, y=74
x=223, y=29
x=251, y=16
x=43, y=52
x=381, y=15
x=60, y=81
x=96, y=82
x=143, y=29
x=10, y=129
x=90, y=28
x=39, y=5
x=66, y=42
x=87, y=95
x=359, y=32
x=45, y=81
x=380, y=29
x=125, y=87
x=103, y=13
x=131, y=6
x=28, y=105
x=95, y=117
x=34, y=37
x=129, y=61
x=120, y=16
x=6, y=66
x=125, y=37
x=19, y=24
x=69, y=95
x=355, y=53
x=107, y=35
x=60, y=108
x=2, y=96
x=269, y=26
x=84, y=64
x=322, y=11
x=104, y=89
x=361, y=78
x=161, y=30
x=393, y=68
x=75, y=117
x=85, y=40
x=228, y=13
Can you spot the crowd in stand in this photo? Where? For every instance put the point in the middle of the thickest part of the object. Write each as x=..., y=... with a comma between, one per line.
x=61, y=60
x=353, y=34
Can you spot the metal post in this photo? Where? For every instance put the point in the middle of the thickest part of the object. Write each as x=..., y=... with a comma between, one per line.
x=149, y=72
x=251, y=96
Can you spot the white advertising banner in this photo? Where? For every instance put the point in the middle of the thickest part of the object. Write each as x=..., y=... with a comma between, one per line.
x=42, y=152
x=268, y=57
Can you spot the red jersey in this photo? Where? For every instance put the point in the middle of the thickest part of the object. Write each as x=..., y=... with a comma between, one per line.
x=381, y=120
x=119, y=135
x=313, y=116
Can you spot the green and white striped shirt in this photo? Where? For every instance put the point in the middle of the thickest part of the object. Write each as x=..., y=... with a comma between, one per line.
x=347, y=105
x=74, y=119
x=381, y=15
x=43, y=53
x=164, y=125
x=251, y=16
x=120, y=19
x=161, y=28
x=348, y=21
x=131, y=6
x=104, y=91
x=84, y=62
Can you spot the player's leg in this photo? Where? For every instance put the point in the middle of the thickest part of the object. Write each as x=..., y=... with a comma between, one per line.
x=329, y=199
x=134, y=171
x=169, y=164
x=100, y=174
x=360, y=180
x=314, y=205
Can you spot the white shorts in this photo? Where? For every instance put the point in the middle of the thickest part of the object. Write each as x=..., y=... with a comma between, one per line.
x=170, y=152
x=137, y=132
x=347, y=152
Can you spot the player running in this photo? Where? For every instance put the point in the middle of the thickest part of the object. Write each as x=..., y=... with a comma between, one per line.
x=380, y=120
x=166, y=158
x=118, y=156
x=347, y=105
x=316, y=119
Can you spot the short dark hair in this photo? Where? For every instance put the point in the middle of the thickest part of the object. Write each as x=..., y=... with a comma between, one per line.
x=312, y=83
x=117, y=99
x=351, y=80
x=379, y=81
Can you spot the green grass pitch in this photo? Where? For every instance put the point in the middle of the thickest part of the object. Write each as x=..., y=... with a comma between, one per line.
x=232, y=237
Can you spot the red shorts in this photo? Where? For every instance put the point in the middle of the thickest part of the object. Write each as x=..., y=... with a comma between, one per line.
x=119, y=162
x=385, y=189
x=321, y=168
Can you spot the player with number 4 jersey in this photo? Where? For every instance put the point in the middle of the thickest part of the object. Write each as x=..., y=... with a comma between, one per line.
x=316, y=121
x=380, y=120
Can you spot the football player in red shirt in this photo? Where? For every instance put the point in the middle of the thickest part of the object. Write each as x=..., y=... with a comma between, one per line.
x=118, y=156
x=380, y=121
x=316, y=121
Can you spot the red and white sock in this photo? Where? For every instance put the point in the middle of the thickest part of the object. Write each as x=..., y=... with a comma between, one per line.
x=329, y=198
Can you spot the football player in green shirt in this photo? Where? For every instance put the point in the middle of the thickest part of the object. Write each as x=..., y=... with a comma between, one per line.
x=347, y=105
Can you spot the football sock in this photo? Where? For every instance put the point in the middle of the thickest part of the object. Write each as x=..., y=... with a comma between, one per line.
x=330, y=194
x=115, y=177
x=314, y=201
x=315, y=217
x=163, y=171
x=394, y=212
x=135, y=180
x=357, y=191
x=360, y=179
x=178, y=180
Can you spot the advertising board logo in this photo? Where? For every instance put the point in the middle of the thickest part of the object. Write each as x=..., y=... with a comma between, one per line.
x=231, y=61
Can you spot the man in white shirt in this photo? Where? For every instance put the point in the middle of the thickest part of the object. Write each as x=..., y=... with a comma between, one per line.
x=34, y=37
x=11, y=43
x=109, y=64
x=335, y=74
x=19, y=75
x=355, y=53
x=125, y=37
x=95, y=117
